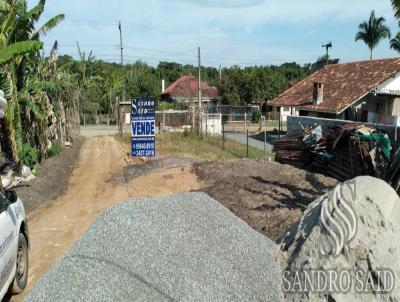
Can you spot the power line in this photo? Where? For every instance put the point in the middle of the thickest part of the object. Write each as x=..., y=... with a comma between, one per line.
x=161, y=54
x=239, y=62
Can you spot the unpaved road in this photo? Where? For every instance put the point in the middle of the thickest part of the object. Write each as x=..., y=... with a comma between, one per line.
x=56, y=224
x=268, y=196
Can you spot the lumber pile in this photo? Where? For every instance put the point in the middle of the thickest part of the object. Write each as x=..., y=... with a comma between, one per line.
x=292, y=150
x=342, y=152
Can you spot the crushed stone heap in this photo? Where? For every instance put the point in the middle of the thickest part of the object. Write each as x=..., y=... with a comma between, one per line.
x=186, y=247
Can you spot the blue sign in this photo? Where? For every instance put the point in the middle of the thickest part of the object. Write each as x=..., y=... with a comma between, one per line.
x=143, y=127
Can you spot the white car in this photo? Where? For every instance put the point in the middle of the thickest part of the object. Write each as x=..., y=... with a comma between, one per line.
x=14, y=245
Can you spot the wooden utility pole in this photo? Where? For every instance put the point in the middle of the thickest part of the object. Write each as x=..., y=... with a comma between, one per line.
x=220, y=73
x=123, y=84
x=192, y=105
x=120, y=43
x=199, y=87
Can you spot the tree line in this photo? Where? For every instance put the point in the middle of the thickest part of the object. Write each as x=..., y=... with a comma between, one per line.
x=237, y=86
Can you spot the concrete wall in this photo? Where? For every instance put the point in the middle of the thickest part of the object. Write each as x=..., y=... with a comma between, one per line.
x=294, y=122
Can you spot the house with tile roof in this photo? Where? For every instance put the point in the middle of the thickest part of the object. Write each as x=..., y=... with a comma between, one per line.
x=365, y=91
x=185, y=90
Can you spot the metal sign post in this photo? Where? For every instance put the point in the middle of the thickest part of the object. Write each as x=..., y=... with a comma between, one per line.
x=143, y=126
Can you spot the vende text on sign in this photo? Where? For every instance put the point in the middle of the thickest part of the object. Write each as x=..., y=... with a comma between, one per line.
x=143, y=127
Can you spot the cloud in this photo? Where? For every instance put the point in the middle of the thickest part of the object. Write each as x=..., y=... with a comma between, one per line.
x=250, y=30
x=227, y=3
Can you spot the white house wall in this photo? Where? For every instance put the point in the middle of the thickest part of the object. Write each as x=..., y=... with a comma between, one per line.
x=288, y=111
x=392, y=84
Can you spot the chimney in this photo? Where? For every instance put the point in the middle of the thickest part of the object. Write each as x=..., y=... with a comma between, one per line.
x=162, y=85
x=318, y=93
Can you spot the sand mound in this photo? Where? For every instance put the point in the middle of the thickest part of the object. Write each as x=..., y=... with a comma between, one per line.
x=351, y=233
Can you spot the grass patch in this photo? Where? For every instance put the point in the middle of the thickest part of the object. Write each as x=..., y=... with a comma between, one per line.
x=210, y=148
x=54, y=150
x=272, y=125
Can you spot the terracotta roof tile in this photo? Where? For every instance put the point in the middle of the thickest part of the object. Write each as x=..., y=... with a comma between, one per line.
x=343, y=84
x=187, y=86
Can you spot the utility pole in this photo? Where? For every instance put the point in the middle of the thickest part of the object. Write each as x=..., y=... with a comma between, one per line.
x=120, y=43
x=199, y=87
x=220, y=73
x=123, y=84
x=192, y=106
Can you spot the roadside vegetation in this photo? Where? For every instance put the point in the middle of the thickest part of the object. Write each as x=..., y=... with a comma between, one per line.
x=193, y=144
x=42, y=98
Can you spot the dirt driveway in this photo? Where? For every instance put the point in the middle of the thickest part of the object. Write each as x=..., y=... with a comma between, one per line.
x=56, y=224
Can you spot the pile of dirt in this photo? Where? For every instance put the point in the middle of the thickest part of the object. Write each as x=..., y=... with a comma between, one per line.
x=353, y=230
x=140, y=167
x=53, y=177
x=269, y=196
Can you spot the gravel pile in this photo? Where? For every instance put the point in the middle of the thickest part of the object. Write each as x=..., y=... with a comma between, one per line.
x=185, y=247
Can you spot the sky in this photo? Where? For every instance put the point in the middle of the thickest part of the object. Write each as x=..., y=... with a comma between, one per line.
x=229, y=32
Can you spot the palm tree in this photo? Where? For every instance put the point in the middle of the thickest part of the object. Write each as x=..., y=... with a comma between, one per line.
x=372, y=31
x=396, y=7
x=395, y=43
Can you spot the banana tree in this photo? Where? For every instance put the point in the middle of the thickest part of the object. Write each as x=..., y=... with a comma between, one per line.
x=12, y=123
x=19, y=45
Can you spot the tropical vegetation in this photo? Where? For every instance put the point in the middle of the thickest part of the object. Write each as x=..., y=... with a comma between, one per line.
x=50, y=97
x=371, y=32
x=396, y=8
x=39, y=101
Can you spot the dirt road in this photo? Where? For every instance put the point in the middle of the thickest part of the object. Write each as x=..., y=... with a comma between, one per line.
x=56, y=224
x=268, y=196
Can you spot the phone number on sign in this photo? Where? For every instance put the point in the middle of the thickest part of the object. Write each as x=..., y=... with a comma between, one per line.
x=144, y=145
x=144, y=153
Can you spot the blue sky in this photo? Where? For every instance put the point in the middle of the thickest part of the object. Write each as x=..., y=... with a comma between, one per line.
x=242, y=32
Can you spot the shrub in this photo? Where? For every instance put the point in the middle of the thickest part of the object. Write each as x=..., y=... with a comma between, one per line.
x=54, y=149
x=255, y=117
x=170, y=105
x=28, y=155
